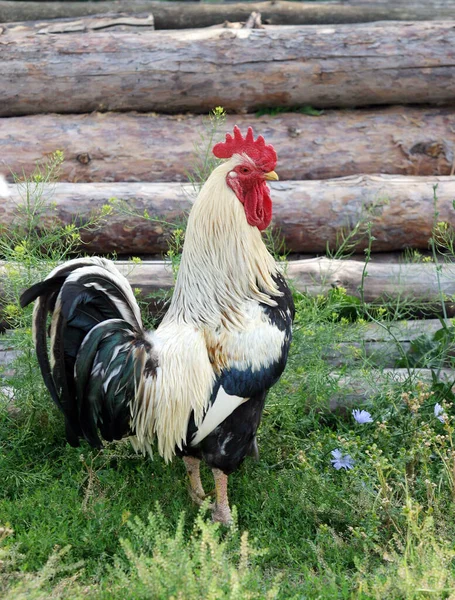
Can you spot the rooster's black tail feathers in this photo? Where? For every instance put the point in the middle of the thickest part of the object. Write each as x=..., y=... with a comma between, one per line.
x=97, y=346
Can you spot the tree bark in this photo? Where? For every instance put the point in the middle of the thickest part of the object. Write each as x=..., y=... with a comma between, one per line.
x=309, y=215
x=150, y=147
x=178, y=15
x=407, y=282
x=196, y=70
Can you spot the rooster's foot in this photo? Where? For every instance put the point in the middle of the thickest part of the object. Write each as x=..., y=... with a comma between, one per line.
x=196, y=490
x=221, y=512
x=199, y=500
x=195, y=497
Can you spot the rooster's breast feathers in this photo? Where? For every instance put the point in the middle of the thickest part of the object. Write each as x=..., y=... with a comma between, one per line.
x=247, y=360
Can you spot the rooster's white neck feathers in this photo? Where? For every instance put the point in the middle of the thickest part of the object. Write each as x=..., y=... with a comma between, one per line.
x=224, y=261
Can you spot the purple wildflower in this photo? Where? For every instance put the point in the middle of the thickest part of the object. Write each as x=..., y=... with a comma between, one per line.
x=341, y=461
x=362, y=416
x=439, y=412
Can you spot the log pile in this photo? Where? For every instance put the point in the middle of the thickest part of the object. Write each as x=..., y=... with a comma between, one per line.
x=121, y=88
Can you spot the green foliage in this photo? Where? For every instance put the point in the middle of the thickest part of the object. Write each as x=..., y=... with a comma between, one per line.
x=154, y=562
x=278, y=110
x=38, y=586
x=37, y=240
x=419, y=563
x=125, y=208
x=431, y=351
x=204, y=161
x=160, y=563
x=36, y=234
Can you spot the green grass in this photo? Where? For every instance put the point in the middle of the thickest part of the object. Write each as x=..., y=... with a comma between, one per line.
x=387, y=524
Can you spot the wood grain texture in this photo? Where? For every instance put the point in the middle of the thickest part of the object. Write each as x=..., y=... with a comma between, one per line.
x=310, y=215
x=315, y=215
x=407, y=282
x=384, y=346
x=151, y=147
x=179, y=15
x=240, y=69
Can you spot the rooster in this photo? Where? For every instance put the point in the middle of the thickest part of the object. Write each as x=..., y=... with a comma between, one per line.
x=196, y=385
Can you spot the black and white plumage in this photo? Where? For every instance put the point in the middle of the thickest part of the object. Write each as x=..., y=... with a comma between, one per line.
x=224, y=443
x=195, y=386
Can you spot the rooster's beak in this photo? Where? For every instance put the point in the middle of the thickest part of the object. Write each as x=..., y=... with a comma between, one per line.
x=271, y=176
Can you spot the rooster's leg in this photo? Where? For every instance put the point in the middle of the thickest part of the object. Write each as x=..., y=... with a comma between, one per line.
x=221, y=512
x=192, y=468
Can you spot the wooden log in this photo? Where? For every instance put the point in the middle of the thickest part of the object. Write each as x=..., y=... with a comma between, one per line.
x=355, y=354
x=178, y=15
x=356, y=389
x=405, y=331
x=378, y=282
x=382, y=346
x=310, y=215
x=106, y=22
x=150, y=147
x=195, y=70
x=315, y=215
x=8, y=354
x=409, y=283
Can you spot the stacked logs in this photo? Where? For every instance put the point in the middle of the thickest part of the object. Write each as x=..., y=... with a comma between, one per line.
x=116, y=86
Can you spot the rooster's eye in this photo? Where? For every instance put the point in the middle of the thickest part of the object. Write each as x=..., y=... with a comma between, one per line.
x=244, y=170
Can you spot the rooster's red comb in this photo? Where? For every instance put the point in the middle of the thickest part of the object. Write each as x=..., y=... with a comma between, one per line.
x=263, y=155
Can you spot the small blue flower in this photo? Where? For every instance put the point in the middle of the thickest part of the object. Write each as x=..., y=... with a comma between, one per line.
x=362, y=416
x=341, y=461
x=439, y=412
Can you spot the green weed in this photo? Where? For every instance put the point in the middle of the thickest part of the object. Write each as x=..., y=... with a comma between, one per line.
x=278, y=110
